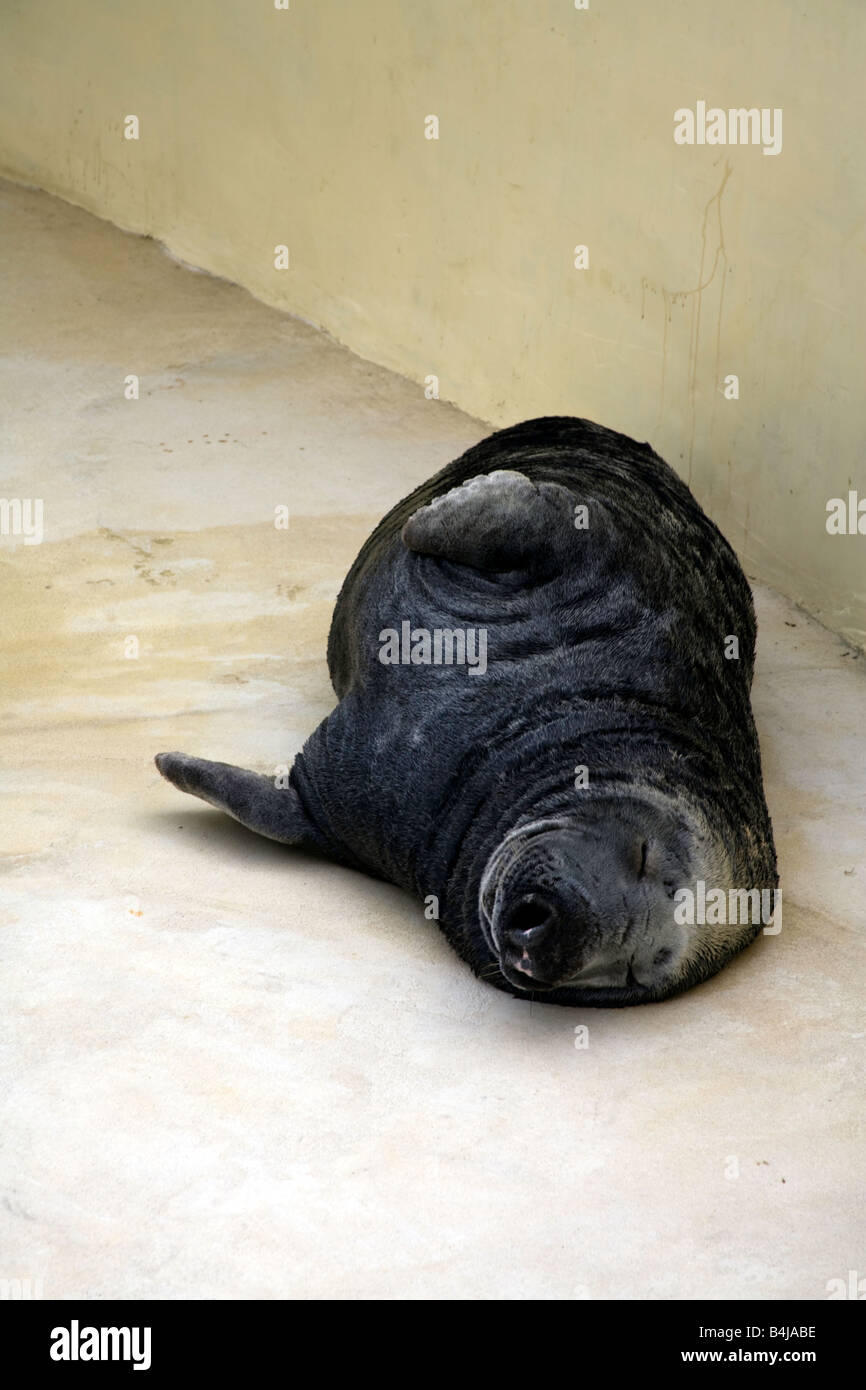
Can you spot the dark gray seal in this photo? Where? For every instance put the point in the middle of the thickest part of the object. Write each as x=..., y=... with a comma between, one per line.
x=543, y=659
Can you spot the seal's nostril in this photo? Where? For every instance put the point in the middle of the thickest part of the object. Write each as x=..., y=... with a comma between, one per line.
x=529, y=920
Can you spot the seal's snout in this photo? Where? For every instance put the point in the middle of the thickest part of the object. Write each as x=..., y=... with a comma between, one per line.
x=528, y=923
x=583, y=907
x=543, y=923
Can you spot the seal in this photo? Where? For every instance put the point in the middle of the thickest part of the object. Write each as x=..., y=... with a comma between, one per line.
x=543, y=659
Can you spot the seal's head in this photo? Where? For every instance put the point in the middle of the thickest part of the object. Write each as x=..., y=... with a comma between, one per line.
x=582, y=909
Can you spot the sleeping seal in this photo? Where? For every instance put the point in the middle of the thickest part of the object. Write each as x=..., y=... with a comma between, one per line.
x=543, y=659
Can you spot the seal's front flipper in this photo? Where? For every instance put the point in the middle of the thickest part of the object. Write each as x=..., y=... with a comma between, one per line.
x=496, y=521
x=251, y=799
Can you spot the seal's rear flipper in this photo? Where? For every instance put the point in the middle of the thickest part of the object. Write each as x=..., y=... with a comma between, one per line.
x=250, y=798
x=496, y=521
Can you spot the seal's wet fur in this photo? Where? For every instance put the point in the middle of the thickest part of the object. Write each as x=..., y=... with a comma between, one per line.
x=606, y=649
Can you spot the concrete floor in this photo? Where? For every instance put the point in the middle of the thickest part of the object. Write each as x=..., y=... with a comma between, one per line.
x=229, y=1070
